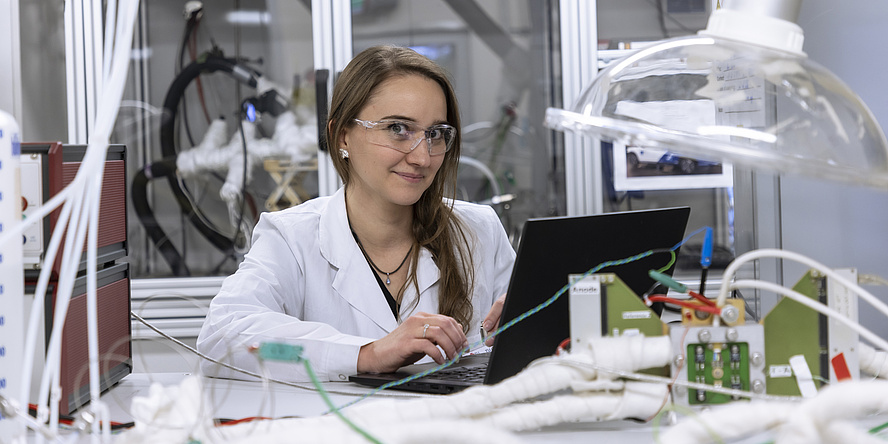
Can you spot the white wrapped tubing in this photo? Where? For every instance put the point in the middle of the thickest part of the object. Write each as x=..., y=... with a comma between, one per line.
x=628, y=352
x=292, y=140
x=724, y=424
x=567, y=388
x=873, y=362
x=827, y=418
x=734, y=266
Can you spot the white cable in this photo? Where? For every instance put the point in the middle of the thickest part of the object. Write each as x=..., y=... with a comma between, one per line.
x=92, y=319
x=872, y=279
x=480, y=166
x=75, y=235
x=80, y=212
x=873, y=362
x=728, y=423
x=110, y=26
x=814, y=305
x=37, y=309
x=671, y=381
x=783, y=254
x=256, y=375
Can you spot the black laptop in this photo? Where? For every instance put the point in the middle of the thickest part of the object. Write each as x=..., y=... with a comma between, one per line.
x=551, y=249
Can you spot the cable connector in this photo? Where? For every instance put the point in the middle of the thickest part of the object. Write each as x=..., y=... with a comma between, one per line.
x=668, y=281
x=193, y=10
x=84, y=422
x=706, y=254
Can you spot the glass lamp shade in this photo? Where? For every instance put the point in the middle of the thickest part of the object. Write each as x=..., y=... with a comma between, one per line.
x=723, y=100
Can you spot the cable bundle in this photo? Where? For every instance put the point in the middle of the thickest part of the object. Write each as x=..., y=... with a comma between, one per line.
x=78, y=223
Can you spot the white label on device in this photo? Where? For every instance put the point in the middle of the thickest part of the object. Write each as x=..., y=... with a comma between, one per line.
x=637, y=314
x=780, y=371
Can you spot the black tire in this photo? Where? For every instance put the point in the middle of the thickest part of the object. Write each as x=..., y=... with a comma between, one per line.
x=687, y=166
x=632, y=160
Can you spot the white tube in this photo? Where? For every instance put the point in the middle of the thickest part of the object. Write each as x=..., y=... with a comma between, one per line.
x=835, y=404
x=873, y=362
x=37, y=308
x=728, y=423
x=477, y=164
x=775, y=253
x=74, y=240
x=92, y=319
x=64, y=285
x=110, y=26
x=814, y=305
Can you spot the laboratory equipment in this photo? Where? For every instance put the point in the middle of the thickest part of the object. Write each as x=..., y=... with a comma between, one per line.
x=52, y=167
x=11, y=272
x=741, y=91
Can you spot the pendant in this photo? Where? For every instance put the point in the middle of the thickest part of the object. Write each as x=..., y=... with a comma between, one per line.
x=387, y=280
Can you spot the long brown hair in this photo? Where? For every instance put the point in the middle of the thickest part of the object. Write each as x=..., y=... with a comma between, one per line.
x=435, y=226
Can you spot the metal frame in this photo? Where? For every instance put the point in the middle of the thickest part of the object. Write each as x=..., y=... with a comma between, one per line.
x=83, y=65
x=332, y=48
x=579, y=65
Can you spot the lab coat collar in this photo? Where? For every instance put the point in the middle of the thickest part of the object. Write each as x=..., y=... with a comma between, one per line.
x=354, y=280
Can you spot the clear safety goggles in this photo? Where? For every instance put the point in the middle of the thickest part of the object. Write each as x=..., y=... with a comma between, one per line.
x=405, y=136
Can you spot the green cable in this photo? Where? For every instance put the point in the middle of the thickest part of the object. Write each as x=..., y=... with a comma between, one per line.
x=878, y=428
x=278, y=351
x=502, y=328
x=353, y=426
x=671, y=262
x=523, y=316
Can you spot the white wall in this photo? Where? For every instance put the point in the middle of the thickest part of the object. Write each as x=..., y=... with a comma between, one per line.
x=844, y=226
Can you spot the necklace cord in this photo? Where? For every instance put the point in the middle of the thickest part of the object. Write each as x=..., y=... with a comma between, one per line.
x=387, y=274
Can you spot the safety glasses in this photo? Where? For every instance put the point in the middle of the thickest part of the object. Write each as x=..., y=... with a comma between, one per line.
x=405, y=136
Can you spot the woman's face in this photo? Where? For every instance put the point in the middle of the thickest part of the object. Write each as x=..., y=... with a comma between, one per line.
x=384, y=175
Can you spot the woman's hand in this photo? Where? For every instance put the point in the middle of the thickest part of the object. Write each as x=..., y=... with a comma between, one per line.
x=492, y=321
x=414, y=338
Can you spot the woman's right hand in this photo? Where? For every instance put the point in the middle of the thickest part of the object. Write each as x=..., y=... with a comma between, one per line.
x=419, y=335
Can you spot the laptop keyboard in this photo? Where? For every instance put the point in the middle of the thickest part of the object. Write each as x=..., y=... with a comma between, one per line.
x=474, y=373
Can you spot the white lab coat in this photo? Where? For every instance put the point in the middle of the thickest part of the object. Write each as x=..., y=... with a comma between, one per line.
x=305, y=282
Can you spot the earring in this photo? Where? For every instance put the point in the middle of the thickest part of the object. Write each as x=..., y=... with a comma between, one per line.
x=343, y=153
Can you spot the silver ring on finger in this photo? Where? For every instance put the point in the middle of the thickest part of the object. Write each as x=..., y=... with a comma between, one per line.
x=424, y=329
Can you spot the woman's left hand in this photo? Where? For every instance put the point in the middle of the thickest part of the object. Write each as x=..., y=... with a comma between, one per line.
x=492, y=320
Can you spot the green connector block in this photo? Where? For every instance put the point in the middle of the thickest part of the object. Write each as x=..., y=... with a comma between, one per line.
x=276, y=351
x=725, y=369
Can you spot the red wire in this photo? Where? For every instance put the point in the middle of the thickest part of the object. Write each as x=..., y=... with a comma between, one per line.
x=249, y=419
x=562, y=346
x=701, y=298
x=707, y=308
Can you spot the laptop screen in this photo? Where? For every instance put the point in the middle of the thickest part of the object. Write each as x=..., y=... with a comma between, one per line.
x=551, y=249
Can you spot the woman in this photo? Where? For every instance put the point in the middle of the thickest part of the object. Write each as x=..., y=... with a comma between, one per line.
x=385, y=271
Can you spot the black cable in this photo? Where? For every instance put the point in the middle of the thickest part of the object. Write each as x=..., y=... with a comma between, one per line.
x=211, y=63
x=139, y=196
x=661, y=18
x=190, y=24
